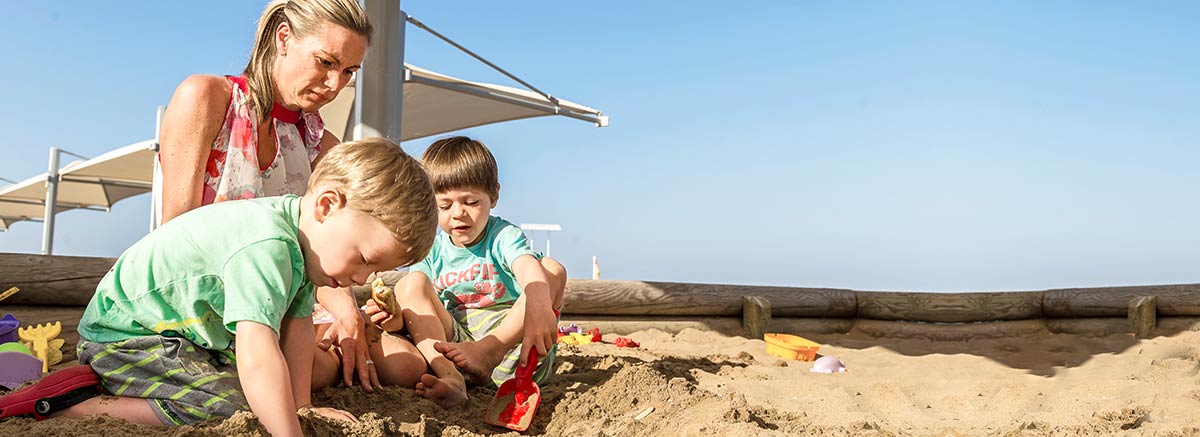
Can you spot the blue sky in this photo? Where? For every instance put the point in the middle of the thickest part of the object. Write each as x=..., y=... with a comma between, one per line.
x=924, y=146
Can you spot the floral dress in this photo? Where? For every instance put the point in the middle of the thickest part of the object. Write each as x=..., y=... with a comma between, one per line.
x=233, y=171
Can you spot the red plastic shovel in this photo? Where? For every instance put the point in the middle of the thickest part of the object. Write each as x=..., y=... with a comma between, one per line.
x=517, y=399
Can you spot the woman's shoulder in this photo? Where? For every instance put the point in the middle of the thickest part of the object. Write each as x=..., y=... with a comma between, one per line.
x=204, y=89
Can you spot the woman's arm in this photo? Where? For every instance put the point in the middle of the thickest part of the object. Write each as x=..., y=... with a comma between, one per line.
x=348, y=333
x=192, y=121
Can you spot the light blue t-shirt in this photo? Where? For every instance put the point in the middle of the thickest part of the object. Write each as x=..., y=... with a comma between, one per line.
x=201, y=273
x=478, y=276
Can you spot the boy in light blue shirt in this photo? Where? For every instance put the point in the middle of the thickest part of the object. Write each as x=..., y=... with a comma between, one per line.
x=482, y=299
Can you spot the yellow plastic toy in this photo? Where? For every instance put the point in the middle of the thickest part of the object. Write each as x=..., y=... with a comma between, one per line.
x=9, y=292
x=575, y=338
x=791, y=347
x=44, y=342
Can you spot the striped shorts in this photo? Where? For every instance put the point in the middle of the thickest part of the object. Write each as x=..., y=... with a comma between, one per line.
x=475, y=323
x=184, y=383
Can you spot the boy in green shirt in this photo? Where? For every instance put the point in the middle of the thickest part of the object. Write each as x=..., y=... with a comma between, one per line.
x=481, y=299
x=212, y=313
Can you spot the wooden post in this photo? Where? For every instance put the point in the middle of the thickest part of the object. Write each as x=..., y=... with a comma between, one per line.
x=1143, y=315
x=756, y=316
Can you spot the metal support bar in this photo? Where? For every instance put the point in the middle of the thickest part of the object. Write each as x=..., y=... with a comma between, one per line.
x=156, y=184
x=51, y=198
x=421, y=25
x=64, y=152
x=555, y=110
x=533, y=228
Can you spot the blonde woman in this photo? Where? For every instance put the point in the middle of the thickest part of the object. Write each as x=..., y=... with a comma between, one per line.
x=259, y=134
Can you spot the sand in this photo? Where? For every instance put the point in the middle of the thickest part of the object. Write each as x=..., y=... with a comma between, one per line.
x=704, y=383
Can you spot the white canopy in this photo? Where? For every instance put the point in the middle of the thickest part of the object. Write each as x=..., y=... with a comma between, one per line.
x=96, y=183
x=434, y=104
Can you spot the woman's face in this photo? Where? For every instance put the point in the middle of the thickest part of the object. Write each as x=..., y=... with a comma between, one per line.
x=310, y=71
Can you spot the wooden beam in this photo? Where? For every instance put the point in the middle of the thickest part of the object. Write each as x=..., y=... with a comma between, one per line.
x=756, y=316
x=1102, y=326
x=630, y=298
x=1173, y=300
x=1142, y=315
x=624, y=325
x=51, y=280
x=949, y=307
x=949, y=331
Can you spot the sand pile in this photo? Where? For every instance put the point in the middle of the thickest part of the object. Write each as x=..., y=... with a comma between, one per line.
x=702, y=383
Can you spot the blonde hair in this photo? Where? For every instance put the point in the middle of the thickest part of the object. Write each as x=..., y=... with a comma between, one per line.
x=378, y=178
x=303, y=17
x=461, y=162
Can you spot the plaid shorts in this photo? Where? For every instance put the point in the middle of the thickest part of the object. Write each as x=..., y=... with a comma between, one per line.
x=474, y=323
x=184, y=383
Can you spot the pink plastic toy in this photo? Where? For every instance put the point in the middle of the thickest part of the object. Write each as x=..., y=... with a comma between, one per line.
x=828, y=365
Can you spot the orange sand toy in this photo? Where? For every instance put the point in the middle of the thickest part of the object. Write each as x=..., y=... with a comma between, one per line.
x=791, y=347
x=44, y=342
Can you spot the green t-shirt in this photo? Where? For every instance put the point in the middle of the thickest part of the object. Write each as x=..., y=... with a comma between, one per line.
x=481, y=275
x=201, y=273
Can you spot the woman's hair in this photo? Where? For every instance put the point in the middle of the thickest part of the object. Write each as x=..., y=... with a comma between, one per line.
x=461, y=162
x=304, y=17
x=378, y=178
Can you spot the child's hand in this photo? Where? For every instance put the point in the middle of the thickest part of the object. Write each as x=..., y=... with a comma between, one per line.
x=332, y=413
x=384, y=320
x=541, y=328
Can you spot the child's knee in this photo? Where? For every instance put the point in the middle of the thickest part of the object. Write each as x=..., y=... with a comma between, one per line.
x=413, y=285
x=557, y=275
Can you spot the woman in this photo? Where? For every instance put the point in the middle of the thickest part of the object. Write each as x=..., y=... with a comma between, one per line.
x=259, y=134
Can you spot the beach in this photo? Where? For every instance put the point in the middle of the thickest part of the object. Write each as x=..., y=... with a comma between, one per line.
x=705, y=383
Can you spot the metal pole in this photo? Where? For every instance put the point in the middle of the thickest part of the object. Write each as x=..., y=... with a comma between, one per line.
x=547, y=243
x=378, y=90
x=51, y=202
x=156, y=185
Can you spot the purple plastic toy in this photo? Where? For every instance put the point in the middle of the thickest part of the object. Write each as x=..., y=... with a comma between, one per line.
x=16, y=368
x=8, y=328
x=569, y=329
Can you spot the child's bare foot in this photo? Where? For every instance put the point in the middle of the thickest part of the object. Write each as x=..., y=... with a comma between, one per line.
x=476, y=359
x=447, y=392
